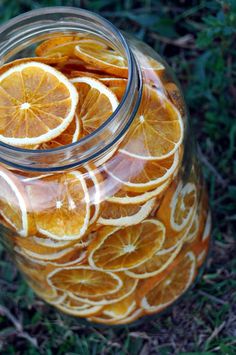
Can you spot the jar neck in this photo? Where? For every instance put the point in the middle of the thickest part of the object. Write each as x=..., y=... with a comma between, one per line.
x=32, y=27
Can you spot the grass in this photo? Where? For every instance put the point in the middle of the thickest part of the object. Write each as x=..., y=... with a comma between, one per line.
x=197, y=38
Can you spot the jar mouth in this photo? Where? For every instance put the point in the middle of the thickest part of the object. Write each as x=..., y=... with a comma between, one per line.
x=31, y=160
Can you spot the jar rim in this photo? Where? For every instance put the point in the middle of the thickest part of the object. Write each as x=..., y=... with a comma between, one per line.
x=8, y=152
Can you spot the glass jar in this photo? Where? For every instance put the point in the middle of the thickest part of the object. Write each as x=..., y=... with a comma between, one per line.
x=115, y=226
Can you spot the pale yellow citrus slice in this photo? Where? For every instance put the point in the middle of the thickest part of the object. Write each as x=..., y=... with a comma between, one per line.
x=37, y=103
x=193, y=231
x=85, y=281
x=70, y=135
x=141, y=175
x=120, y=249
x=178, y=206
x=116, y=214
x=96, y=103
x=13, y=202
x=60, y=204
x=156, y=264
x=103, y=57
x=128, y=286
x=63, y=45
x=175, y=283
x=157, y=130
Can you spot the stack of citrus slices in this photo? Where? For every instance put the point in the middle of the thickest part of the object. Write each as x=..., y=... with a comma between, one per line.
x=119, y=237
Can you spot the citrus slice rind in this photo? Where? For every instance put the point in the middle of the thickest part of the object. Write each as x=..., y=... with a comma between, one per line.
x=79, y=312
x=128, y=287
x=59, y=200
x=163, y=293
x=158, y=128
x=126, y=320
x=113, y=214
x=127, y=198
x=156, y=264
x=184, y=191
x=207, y=229
x=13, y=204
x=141, y=175
x=119, y=249
x=96, y=103
x=99, y=55
x=28, y=105
x=84, y=281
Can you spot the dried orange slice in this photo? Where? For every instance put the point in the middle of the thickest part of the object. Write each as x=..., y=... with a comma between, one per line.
x=13, y=202
x=125, y=248
x=165, y=292
x=176, y=97
x=60, y=204
x=128, y=197
x=37, y=103
x=156, y=264
x=157, y=130
x=96, y=103
x=103, y=57
x=79, y=309
x=193, y=231
x=107, y=320
x=115, y=214
x=63, y=45
x=70, y=135
x=178, y=206
x=54, y=61
x=117, y=85
x=141, y=175
x=122, y=308
x=128, y=287
x=85, y=281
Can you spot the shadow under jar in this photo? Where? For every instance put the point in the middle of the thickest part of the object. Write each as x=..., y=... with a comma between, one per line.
x=112, y=225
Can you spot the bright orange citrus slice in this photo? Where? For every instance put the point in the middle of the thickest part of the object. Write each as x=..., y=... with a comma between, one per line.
x=96, y=103
x=78, y=309
x=85, y=281
x=141, y=175
x=37, y=103
x=176, y=97
x=60, y=204
x=157, y=130
x=178, y=206
x=172, y=287
x=128, y=287
x=117, y=85
x=103, y=57
x=125, y=248
x=13, y=202
x=115, y=214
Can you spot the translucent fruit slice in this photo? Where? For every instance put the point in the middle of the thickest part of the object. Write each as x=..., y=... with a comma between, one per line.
x=176, y=97
x=70, y=135
x=60, y=204
x=156, y=264
x=178, y=206
x=13, y=202
x=96, y=103
x=175, y=283
x=126, y=320
x=78, y=309
x=128, y=197
x=115, y=214
x=125, y=248
x=37, y=103
x=117, y=85
x=157, y=130
x=103, y=57
x=63, y=45
x=141, y=175
x=85, y=281
x=128, y=286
